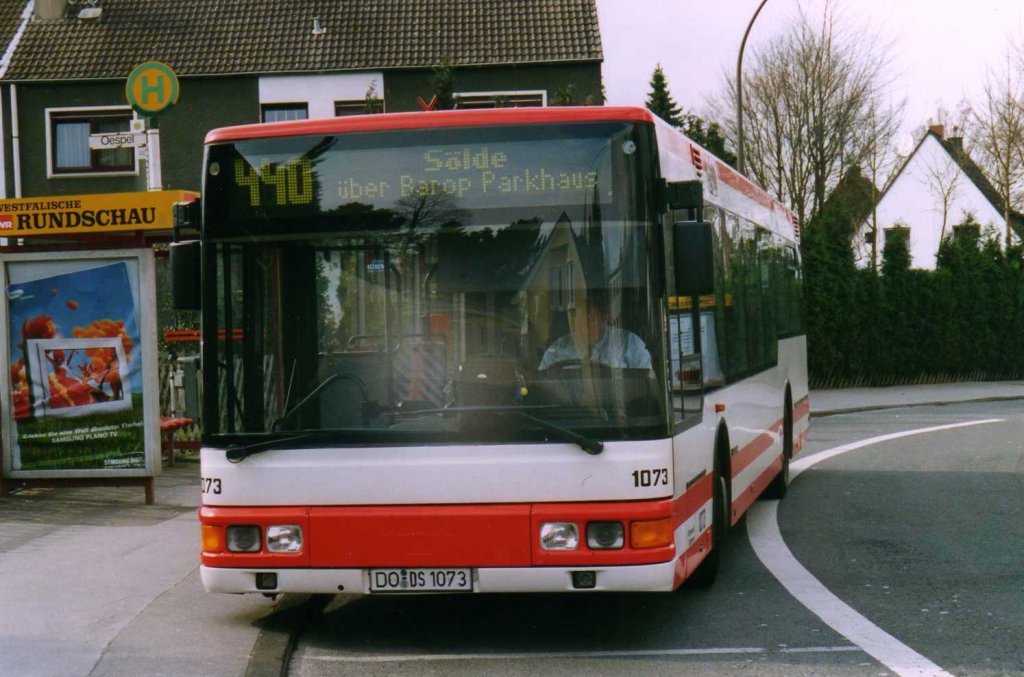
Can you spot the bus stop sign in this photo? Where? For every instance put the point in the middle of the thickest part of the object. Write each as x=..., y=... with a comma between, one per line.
x=152, y=87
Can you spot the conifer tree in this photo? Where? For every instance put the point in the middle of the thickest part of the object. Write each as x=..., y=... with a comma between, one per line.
x=660, y=102
x=711, y=137
x=442, y=81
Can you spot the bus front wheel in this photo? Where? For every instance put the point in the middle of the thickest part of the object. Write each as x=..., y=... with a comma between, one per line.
x=707, y=571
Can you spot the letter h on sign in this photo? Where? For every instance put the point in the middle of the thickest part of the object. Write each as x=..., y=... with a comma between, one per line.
x=149, y=87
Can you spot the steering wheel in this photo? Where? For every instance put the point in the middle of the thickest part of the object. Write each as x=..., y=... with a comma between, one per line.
x=570, y=363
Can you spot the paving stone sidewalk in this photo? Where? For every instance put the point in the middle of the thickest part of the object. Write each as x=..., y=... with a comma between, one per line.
x=95, y=582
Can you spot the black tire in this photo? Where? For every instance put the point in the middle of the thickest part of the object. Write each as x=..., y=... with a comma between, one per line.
x=707, y=571
x=779, y=486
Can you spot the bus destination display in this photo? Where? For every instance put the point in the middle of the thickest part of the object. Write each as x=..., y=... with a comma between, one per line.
x=469, y=176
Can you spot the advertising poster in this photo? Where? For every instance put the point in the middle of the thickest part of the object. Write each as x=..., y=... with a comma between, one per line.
x=75, y=354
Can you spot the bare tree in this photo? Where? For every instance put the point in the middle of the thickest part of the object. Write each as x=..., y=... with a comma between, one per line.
x=879, y=132
x=998, y=135
x=813, y=97
x=942, y=177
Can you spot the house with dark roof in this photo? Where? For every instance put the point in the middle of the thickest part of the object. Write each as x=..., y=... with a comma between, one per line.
x=937, y=188
x=64, y=64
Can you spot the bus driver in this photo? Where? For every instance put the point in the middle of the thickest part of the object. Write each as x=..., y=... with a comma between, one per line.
x=592, y=338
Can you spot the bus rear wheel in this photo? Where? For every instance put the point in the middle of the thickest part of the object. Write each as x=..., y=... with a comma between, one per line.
x=779, y=486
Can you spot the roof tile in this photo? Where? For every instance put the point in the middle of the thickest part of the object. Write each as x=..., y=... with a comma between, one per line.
x=219, y=37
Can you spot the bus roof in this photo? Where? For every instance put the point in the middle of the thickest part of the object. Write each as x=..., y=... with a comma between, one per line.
x=430, y=120
x=681, y=158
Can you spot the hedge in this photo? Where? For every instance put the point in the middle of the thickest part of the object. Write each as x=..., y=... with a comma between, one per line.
x=962, y=321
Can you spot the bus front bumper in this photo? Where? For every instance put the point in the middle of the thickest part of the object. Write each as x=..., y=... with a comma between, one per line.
x=634, y=578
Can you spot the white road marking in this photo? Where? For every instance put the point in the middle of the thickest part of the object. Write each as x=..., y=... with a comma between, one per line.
x=545, y=655
x=766, y=539
x=797, y=467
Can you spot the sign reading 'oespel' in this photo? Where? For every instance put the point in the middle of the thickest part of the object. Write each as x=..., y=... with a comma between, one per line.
x=152, y=87
x=90, y=214
x=115, y=140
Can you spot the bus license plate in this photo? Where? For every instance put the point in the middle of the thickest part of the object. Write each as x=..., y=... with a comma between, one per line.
x=421, y=580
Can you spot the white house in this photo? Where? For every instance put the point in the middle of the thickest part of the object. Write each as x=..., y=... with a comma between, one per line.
x=937, y=188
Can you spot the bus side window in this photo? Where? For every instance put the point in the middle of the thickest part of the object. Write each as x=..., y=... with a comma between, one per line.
x=685, y=367
x=687, y=376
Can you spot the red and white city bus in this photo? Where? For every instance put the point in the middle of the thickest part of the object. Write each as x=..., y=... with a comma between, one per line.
x=520, y=350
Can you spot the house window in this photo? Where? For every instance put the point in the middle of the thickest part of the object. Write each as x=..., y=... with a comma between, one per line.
x=555, y=300
x=280, y=112
x=531, y=99
x=898, y=232
x=970, y=230
x=358, y=107
x=561, y=286
x=69, y=133
x=570, y=285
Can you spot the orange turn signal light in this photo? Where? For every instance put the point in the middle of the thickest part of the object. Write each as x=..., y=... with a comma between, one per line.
x=213, y=538
x=651, y=534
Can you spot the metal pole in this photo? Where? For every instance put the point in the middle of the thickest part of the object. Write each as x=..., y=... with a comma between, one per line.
x=739, y=91
x=154, y=176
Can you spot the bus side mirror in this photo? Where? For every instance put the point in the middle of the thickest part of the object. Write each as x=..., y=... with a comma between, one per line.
x=694, y=258
x=185, y=275
x=187, y=216
x=685, y=195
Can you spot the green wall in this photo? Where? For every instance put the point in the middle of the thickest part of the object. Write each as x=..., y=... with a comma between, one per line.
x=402, y=87
x=204, y=103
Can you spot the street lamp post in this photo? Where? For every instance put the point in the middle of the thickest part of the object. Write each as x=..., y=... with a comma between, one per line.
x=739, y=91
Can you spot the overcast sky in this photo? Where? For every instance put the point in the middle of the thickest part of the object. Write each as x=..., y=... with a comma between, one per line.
x=940, y=48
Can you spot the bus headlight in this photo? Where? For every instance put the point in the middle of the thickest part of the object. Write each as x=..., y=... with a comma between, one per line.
x=243, y=538
x=284, y=538
x=606, y=535
x=559, y=536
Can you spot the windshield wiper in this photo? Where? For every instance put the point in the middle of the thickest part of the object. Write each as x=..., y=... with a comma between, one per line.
x=587, y=444
x=370, y=408
x=236, y=453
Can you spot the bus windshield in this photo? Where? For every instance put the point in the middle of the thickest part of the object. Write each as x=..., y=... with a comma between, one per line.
x=410, y=287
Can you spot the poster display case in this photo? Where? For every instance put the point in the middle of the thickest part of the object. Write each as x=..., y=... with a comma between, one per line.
x=81, y=392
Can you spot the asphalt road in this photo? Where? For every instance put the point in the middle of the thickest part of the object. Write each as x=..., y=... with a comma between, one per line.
x=921, y=536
